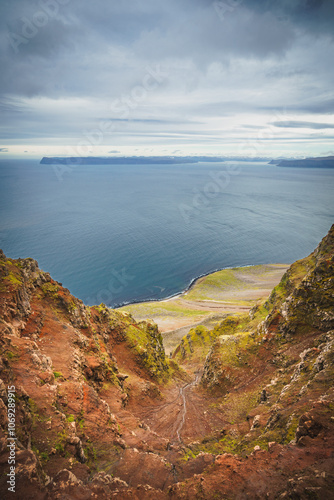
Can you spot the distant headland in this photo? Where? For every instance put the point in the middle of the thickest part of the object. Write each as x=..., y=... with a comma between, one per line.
x=321, y=162
x=126, y=160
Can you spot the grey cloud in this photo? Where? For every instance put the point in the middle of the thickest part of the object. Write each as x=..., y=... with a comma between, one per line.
x=255, y=127
x=314, y=106
x=88, y=38
x=318, y=107
x=263, y=57
x=314, y=16
x=204, y=38
x=149, y=120
x=296, y=124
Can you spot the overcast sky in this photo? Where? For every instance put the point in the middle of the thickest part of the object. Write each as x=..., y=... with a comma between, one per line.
x=251, y=77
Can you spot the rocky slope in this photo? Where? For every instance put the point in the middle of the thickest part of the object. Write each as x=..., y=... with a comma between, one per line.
x=74, y=369
x=274, y=384
x=102, y=413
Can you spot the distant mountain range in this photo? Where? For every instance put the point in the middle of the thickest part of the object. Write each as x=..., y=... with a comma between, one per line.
x=140, y=160
x=321, y=162
x=126, y=160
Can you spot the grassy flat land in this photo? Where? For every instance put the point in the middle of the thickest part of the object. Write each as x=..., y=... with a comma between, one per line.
x=209, y=300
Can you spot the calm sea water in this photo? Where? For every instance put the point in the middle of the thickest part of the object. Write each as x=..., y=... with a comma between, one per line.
x=124, y=233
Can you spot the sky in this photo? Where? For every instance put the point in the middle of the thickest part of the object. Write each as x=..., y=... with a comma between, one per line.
x=178, y=77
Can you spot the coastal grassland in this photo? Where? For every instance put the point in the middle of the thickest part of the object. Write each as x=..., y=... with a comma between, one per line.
x=229, y=284
x=240, y=286
x=209, y=300
x=154, y=309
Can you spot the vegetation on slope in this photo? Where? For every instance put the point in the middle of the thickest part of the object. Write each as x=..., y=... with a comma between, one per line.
x=267, y=378
x=73, y=367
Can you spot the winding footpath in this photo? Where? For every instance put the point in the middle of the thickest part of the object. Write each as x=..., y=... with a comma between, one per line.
x=183, y=412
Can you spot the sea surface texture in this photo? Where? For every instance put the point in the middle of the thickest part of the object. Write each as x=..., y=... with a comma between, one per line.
x=126, y=233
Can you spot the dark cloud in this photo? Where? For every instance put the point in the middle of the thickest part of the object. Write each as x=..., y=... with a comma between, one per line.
x=3, y=150
x=313, y=16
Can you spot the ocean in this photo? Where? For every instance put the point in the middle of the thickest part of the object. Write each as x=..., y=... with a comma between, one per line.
x=125, y=233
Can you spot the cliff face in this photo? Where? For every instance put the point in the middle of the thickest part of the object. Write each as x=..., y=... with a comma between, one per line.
x=275, y=380
x=301, y=305
x=74, y=369
x=304, y=301
x=102, y=413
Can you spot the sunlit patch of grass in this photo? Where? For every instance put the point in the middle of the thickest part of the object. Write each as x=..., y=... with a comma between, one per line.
x=154, y=309
x=236, y=406
x=206, y=288
x=228, y=280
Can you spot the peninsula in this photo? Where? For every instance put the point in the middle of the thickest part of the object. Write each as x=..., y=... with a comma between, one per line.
x=321, y=162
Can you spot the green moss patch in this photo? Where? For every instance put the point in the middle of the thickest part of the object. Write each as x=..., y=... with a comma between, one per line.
x=50, y=290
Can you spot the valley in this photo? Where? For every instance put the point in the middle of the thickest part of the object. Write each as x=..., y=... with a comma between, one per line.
x=223, y=392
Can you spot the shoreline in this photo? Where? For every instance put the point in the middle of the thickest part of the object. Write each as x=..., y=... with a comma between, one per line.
x=192, y=283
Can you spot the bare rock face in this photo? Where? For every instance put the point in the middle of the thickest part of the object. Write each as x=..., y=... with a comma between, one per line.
x=304, y=299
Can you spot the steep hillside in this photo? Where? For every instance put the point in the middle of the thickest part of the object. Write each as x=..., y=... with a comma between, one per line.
x=75, y=369
x=274, y=385
x=242, y=410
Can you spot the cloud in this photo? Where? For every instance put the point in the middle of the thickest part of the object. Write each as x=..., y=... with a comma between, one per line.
x=312, y=16
x=296, y=124
x=3, y=150
x=221, y=73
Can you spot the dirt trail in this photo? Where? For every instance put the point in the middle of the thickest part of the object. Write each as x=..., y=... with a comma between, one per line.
x=211, y=305
x=183, y=413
